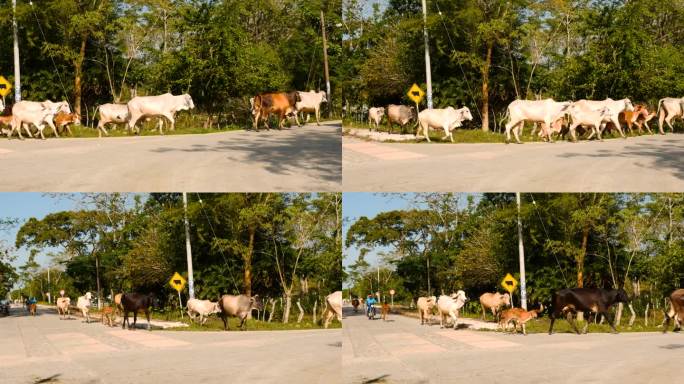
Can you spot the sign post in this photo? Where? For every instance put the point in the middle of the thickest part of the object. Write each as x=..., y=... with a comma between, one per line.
x=509, y=283
x=177, y=282
x=5, y=89
x=392, y=296
x=416, y=95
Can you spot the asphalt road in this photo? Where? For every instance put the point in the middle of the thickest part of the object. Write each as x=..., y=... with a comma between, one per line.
x=638, y=164
x=403, y=351
x=47, y=349
x=296, y=159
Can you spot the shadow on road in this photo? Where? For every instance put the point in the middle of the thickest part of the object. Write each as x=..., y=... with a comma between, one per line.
x=673, y=346
x=379, y=379
x=321, y=153
x=666, y=154
x=50, y=379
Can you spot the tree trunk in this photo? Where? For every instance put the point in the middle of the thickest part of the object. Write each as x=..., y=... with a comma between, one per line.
x=580, y=265
x=485, y=87
x=248, y=262
x=301, y=312
x=78, y=72
x=288, y=305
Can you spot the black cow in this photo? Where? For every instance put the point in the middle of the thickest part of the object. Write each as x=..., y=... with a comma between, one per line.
x=136, y=302
x=571, y=301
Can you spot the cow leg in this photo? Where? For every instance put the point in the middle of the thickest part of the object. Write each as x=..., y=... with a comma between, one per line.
x=135, y=320
x=224, y=317
x=125, y=320
x=318, y=116
x=54, y=129
x=648, y=128
x=619, y=128
x=571, y=320
x=668, y=120
x=242, y=322
x=441, y=320
x=131, y=123
x=453, y=318
x=546, y=130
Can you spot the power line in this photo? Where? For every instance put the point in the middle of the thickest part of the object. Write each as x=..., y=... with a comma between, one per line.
x=50, y=54
x=453, y=49
x=230, y=269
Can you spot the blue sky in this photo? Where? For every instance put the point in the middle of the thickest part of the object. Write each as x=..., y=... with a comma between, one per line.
x=25, y=205
x=358, y=204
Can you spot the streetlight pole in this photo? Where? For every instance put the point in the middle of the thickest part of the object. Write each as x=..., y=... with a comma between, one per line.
x=325, y=63
x=428, y=71
x=17, y=75
x=521, y=258
x=188, y=248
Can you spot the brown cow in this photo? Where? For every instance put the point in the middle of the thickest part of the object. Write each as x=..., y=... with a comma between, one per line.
x=6, y=121
x=676, y=310
x=108, y=315
x=385, y=311
x=280, y=103
x=63, y=120
x=639, y=117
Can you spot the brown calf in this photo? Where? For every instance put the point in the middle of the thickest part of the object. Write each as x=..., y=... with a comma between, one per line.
x=518, y=316
x=63, y=120
x=280, y=103
x=385, y=311
x=108, y=315
x=676, y=310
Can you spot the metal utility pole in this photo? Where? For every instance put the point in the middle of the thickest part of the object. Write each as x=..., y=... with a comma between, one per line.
x=521, y=257
x=188, y=249
x=48, y=288
x=325, y=63
x=428, y=71
x=17, y=75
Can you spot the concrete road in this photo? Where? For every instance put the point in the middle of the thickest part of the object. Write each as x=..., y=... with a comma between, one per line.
x=403, y=351
x=638, y=164
x=46, y=349
x=297, y=159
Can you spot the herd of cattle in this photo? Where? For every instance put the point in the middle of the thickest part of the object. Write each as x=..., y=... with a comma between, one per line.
x=565, y=303
x=555, y=118
x=28, y=115
x=239, y=306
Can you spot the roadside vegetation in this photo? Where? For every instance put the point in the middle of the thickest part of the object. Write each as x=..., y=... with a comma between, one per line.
x=286, y=248
x=443, y=243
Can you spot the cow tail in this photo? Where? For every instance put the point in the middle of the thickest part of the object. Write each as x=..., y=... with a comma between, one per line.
x=505, y=116
x=660, y=103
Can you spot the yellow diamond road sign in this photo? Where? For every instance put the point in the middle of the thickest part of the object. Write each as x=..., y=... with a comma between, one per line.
x=416, y=94
x=177, y=282
x=509, y=283
x=5, y=87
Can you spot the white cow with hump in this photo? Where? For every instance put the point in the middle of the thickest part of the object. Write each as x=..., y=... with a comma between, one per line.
x=447, y=119
x=668, y=109
x=582, y=115
x=111, y=114
x=38, y=113
x=165, y=105
x=311, y=102
x=201, y=308
x=450, y=306
x=375, y=115
x=615, y=107
x=425, y=305
x=536, y=111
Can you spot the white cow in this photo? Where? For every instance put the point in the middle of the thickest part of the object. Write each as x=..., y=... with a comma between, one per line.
x=375, y=115
x=311, y=102
x=668, y=109
x=203, y=308
x=580, y=114
x=447, y=119
x=615, y=108
x=38, y=113
x=63, y=304
x=537, y=111
x=83, y=303
x=165, y=105
x=333, y=307
x=111, y=114
x=450, y=306
x=425, y=305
